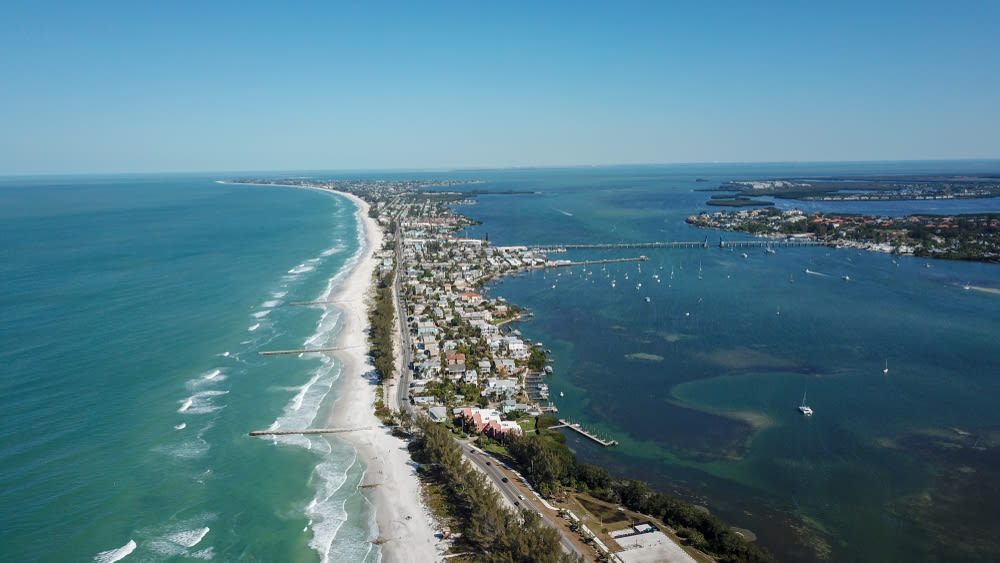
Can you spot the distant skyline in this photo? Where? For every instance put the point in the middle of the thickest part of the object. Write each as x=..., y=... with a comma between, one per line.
x=110, y=87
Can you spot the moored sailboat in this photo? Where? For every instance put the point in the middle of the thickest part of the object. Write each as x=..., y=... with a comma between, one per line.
x=803, y=408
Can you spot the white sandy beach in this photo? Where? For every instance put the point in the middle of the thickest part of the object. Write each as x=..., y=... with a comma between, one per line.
x=405, y=528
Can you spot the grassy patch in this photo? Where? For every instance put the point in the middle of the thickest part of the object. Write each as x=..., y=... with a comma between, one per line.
x=495, y=449
x=604, y=512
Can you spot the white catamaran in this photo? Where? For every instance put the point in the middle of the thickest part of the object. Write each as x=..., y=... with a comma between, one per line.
x=803, y=408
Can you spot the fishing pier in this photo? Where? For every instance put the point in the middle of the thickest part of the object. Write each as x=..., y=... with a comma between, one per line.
x=301, y=351
x=572, y=426
x=773, y=243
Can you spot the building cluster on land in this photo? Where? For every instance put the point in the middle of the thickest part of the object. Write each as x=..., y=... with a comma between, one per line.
x=870, y=189
x=466, y=366
x=961, y=237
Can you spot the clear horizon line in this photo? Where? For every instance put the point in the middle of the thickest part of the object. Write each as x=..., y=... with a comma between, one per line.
x=494, y=168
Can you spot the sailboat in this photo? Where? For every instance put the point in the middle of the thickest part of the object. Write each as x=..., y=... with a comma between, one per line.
x=886, y=370
x=803, y=408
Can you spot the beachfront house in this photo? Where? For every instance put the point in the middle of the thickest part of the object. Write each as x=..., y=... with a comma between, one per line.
x=438, y=414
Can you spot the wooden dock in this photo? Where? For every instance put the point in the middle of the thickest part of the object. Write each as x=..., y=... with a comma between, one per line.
x=566, y=424
x=309, y=431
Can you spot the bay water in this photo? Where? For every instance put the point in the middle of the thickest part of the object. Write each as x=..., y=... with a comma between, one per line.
x=697, y=360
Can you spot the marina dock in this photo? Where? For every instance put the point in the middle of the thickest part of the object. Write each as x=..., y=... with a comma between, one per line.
x=566, y=424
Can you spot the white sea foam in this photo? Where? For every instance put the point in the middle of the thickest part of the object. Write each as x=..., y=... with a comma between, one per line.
x=332, y=251
x=189, y=449
x=301, y=269
x=337, y=478
x=175, y=540
x=189, y=538
x=180, y=426
x=261, y=314
x=253, y=327
x=200, y=402
x=225, y=354
x=270, y=303
x=301, y=395
x=279, y=294
x=118, y=554
x=328, y=327
x=213, y=376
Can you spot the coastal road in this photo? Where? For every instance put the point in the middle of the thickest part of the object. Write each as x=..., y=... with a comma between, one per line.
x=406, y=350
x=509, y=491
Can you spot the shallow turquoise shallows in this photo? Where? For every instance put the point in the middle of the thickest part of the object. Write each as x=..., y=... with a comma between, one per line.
x=133, y=311
x=133, y=308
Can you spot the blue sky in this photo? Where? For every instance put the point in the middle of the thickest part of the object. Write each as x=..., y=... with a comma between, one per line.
x=191, y=86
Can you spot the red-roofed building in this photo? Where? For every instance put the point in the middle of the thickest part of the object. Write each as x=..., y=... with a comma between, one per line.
x=489, y=421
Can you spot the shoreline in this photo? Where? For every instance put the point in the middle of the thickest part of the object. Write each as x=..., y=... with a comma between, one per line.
x=404, y=527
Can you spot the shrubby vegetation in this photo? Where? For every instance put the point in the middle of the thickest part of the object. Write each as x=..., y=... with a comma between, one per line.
x=494, y=532
x=544, y=459
x=536, y=361
x=382, y=320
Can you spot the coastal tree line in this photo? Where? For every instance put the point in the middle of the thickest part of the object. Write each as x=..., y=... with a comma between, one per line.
x=496, y=533
x=545, y=460
x=382, y=324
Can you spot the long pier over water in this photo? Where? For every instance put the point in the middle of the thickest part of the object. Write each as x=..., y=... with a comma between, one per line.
x=567, y=263
x=679, y=244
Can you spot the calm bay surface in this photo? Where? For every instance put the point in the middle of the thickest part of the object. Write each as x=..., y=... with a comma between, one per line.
x=701, y=383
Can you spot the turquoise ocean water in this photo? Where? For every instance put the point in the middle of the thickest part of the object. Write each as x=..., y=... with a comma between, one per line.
x=133, y=311
x=134, y=306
